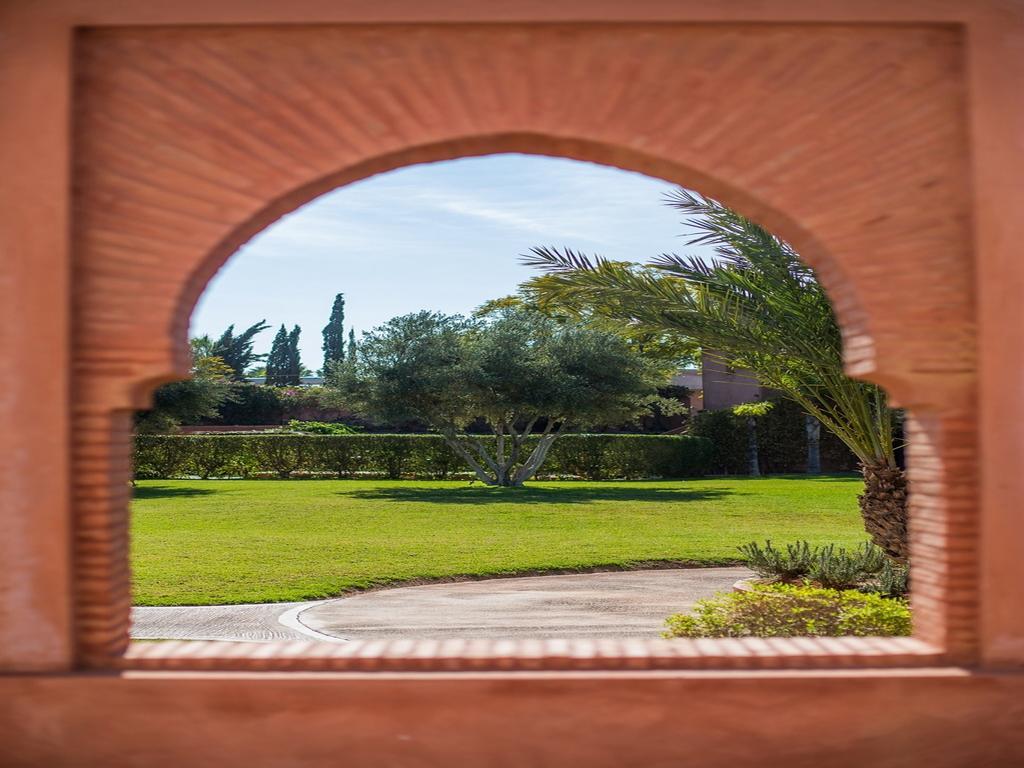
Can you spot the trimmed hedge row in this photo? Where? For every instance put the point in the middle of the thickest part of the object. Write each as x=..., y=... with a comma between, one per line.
x=593, y=457
x=781, y=442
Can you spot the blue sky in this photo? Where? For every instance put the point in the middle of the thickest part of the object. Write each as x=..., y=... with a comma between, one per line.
x=441, y=236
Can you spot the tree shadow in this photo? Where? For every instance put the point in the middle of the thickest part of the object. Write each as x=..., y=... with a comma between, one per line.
x=169, y=492
x=830, y=477
x=534, y=495
x=826, y=478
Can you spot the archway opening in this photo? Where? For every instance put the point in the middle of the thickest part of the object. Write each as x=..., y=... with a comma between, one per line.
x=415, y=249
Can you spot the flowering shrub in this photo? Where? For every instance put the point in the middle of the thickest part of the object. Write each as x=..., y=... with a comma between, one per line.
x=784, y=610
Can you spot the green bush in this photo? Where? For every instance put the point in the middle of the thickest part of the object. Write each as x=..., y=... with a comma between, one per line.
x=160, y=456
x=769, y=562
x=283, y=454
x=783, y=610
x=248, y=404
x=251, y=404
x=320, y=428
x=866, y=567
x=838, y=569
x=213, y=458
x=396, y=456
x=893, y=580
x=339, y=457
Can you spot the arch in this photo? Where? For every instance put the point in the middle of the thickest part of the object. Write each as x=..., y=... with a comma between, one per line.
x=848, y=142
x=805, y=242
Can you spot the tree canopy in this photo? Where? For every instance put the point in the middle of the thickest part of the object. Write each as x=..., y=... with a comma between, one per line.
x=334, y=334
x=196, y=398
x=523, y=373
x=284, y=363
x=236, y=351
x=757, y=306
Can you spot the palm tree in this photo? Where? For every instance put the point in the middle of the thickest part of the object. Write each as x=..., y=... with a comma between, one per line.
x=757, y=306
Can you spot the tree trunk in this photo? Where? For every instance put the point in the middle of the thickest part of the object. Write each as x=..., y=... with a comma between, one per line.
x=883, y=506
x=813, y=429
x=753, y=460
x=530, y=467
x=453, y=442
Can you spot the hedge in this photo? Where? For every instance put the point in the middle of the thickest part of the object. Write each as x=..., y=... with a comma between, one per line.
x=592, y=457
x=781, y=442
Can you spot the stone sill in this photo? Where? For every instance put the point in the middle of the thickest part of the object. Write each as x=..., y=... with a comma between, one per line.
x=407, y=655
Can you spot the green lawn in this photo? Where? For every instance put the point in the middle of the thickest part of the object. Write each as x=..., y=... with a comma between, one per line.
x=227, y=541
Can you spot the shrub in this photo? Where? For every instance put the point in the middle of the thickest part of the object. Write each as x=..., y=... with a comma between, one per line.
x=248, y=404
x=251, y=404
x=320, y=428
x=866, y=567
x=340, y=457
x=893, y=580
x=587, y=458
x=297, y=400
x=783, y=610
x=212, y=455
x=838, y=569
x=396, y=456
x=160, y=456
x=728, y=438
x=283, y=454
x=771, y=563
x=437, y=461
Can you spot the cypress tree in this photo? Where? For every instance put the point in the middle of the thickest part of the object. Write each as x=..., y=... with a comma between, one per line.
x=351, y=351
x=293, y=371
x=277, y=360
x=236, y=351
x=334, y=334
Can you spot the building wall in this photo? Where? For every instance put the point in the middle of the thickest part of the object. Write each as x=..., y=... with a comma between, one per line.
x=725, y=386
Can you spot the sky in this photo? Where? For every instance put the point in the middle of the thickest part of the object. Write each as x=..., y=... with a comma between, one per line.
x=441, y=236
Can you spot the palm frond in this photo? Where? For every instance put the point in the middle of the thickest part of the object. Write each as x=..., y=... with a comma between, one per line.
x=757, y=306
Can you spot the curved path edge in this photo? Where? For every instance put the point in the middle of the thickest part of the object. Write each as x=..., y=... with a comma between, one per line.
x=291, y=620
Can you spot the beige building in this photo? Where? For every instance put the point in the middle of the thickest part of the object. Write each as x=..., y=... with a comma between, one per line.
x=725, y=386
x=718, y=385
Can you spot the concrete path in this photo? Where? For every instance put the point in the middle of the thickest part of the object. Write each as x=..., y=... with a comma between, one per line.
x=244, y=623
x=616, y=604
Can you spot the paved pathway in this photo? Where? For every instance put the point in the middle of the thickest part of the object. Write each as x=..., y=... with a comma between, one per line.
x=258, y=622
x=616, y=604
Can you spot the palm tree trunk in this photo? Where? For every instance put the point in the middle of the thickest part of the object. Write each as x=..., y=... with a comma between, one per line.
x=883, y=506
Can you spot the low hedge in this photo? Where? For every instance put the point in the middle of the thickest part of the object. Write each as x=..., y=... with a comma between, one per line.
x=781, y=442
x=783, y=610
x=592, y=457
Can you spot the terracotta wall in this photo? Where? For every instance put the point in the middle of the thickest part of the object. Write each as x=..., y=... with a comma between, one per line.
x=142, y=143
x=189, y=140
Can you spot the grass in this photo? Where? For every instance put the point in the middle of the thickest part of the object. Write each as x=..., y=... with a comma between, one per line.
x=198, y=542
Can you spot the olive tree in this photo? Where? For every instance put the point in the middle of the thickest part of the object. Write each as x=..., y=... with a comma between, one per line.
x=529, y=377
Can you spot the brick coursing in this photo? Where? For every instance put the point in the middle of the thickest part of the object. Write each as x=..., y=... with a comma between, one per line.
x=849, y=141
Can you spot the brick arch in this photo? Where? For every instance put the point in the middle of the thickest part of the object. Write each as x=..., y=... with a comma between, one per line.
x=847, y=142
x=853, y=317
